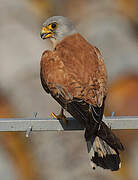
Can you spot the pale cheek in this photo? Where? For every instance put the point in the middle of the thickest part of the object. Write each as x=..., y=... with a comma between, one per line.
x=53, y=41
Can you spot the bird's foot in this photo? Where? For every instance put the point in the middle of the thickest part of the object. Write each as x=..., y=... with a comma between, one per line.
x=61, y=116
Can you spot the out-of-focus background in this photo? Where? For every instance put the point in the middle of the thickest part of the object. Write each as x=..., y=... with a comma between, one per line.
x=112, y=26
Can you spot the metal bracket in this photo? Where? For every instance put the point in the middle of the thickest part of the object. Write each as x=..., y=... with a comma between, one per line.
x=29, y=129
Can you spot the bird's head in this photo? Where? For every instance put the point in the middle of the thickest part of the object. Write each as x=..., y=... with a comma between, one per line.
x=57, y=28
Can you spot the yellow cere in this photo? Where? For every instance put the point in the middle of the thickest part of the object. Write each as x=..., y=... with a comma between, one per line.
x=44, y=29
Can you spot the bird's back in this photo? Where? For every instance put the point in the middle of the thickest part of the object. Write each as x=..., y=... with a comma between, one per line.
x=77, y=66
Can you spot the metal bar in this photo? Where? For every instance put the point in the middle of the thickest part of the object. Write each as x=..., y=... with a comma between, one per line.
x=39, y=124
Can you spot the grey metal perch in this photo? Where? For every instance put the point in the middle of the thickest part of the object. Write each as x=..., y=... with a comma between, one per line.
x=46, y=124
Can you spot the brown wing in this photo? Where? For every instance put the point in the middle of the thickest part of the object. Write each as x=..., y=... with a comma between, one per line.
x=75, y=75
x=76, y=69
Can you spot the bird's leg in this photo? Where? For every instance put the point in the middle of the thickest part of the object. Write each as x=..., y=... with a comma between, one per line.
x=61, y=116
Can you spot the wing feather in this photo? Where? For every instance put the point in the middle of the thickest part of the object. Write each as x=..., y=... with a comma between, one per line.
x=74, y=74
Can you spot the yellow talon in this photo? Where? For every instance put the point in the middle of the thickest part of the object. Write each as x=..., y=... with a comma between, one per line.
x=61, y=116
x=53, y=115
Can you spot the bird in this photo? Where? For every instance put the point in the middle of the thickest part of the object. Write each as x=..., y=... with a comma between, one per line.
x=74, y=74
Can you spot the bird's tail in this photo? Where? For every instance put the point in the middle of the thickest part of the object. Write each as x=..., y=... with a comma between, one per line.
x=103, y=149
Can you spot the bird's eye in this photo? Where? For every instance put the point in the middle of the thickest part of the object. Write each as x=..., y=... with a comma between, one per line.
x=52, y=26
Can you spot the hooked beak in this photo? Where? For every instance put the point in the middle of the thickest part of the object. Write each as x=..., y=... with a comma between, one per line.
x=46, y=33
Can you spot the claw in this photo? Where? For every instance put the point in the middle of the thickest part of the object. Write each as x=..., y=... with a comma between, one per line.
x=61, y=116
x=53, y=115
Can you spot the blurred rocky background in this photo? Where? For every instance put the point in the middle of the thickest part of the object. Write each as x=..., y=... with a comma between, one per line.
x=112, y=26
